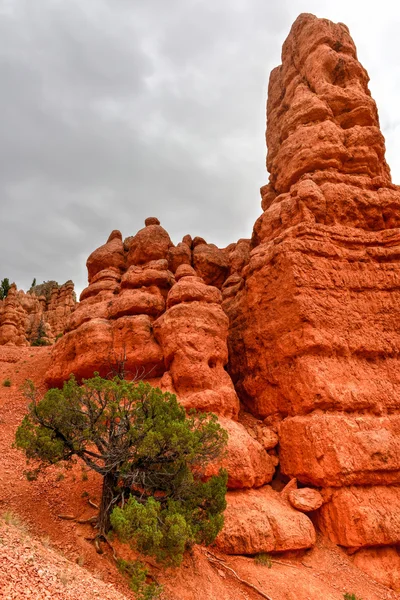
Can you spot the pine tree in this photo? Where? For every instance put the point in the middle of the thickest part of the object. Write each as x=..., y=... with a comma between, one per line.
x=4, y=288
x=151, y=454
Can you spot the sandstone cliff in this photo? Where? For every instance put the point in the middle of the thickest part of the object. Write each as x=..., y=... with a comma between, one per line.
x=37, y=316
x=313, y=338
x=291, y=337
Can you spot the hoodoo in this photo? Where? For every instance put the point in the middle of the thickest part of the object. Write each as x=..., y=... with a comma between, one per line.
x=314, y=340
x=38, y=316
x=292, y=337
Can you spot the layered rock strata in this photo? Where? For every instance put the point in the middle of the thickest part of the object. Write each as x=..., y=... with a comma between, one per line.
x=148, y=313
x=300, y=322
x=38, y=316
x=131, y=284
x=313, y=339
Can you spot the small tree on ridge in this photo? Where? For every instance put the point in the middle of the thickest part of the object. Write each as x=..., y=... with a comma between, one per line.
x=4, y=288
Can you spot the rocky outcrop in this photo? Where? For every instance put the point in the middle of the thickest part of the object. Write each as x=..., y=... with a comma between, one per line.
x=193, y=333
x=147, y=313
x=12, y=320
x=38, y=316
x=261, y=520
x=299, y=323
x=144, y=295
x=313, y=335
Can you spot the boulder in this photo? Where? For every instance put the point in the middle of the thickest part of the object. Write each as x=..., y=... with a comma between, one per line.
x=261, y=521
x=247, y=463
x=305, y=499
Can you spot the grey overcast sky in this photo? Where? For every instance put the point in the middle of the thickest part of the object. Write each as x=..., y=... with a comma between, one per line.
x=115, y=110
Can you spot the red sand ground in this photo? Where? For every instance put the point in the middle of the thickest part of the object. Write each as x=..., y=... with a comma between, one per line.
x=41, y=555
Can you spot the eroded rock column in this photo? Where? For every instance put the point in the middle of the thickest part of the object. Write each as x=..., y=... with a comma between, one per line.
x=314, y=339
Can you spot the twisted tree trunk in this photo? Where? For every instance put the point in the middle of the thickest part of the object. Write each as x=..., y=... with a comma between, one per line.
x=110, y=482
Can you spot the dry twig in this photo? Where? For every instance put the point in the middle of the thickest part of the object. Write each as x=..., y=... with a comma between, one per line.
x=214, y=559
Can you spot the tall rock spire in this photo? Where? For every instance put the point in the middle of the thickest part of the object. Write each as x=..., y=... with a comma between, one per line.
x=314, y=339
x=320, y=113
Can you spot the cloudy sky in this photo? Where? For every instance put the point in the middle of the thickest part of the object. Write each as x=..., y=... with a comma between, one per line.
x=115, y=110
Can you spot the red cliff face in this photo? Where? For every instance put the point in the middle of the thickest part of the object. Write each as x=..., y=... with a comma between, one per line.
x=299, y=325
x=153, y=311
x=314, y=339
x=40, y=314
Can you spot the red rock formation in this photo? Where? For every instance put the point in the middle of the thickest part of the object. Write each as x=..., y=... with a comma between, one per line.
x=42, y=313
x=12, y=320
x=313, y=336
x=193, y=333
x=262, y=521
x=247, y=462
x=360, y=516
x=305, y=499
x=381, y=564
x=313, y=305
x=129, y=283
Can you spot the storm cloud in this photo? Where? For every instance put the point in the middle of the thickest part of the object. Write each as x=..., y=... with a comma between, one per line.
x=115, y=110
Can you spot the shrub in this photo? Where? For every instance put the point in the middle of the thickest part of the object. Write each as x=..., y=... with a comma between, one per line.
x=351, y=597
x=263, y=559
x=138, y=574
x=151, y=455
x=7, y=383
x=31, y=475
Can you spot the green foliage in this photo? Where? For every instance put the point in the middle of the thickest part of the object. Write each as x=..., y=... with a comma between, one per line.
x=151, y=454
x=40, y=339
x=4, y=288
x=33, y=283
x=138, y=574
x=351, y=597
x=31, y=475
x=44, y=289
x=263, y=559
x=7, y=383
x=165, y=529
x=58, y=336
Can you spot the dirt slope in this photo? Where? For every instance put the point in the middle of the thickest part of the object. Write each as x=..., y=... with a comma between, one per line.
x=326, y=572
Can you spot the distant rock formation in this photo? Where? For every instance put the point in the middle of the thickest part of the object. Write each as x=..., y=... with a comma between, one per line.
x=38, y=316
x=300, y=323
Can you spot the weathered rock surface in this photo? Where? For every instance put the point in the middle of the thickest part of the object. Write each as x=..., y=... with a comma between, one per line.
x=362, y=516
x=192, y=334
x=300, y=322
x=260, y=521
x=338, y=450
x=12, y=320
x=320, y=112
x=247, y=462
x=305, y=499
x=131, y=284
x=381, y=564
x=313, y=339
x=39, y=315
